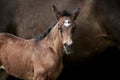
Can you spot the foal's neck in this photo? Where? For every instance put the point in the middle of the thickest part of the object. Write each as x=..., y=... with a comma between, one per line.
x=55, y=39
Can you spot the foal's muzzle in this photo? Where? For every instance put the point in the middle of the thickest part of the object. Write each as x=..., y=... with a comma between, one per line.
x=68, y=48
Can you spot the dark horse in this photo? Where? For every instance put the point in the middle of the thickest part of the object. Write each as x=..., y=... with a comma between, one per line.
x=39, y=58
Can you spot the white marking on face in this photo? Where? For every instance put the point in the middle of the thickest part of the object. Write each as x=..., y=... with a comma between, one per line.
x=2, y=67
x=67, y=23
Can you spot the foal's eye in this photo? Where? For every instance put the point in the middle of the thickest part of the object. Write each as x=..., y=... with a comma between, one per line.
x=60, y=28
x=69, y=22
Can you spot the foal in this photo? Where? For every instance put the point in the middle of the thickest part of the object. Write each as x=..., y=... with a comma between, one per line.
x=39, y=58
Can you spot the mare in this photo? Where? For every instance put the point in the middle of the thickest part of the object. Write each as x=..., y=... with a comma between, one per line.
x=29, y=18
x=39, y=58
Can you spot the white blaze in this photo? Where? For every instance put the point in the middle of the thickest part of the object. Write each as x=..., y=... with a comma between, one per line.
x=67, y=23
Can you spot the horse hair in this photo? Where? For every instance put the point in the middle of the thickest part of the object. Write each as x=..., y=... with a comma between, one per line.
x=66, y=13
x=44, y=34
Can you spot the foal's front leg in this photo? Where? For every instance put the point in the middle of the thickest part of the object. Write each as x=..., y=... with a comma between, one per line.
x=40, y=76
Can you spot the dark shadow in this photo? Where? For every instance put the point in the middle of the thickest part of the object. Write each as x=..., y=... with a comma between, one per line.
x=105, y=64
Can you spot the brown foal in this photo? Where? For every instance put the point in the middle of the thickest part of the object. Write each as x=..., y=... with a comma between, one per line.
x=39, y=58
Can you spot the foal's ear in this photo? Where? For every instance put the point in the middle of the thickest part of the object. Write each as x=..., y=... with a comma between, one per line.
x=56, y=12
x=75, y=13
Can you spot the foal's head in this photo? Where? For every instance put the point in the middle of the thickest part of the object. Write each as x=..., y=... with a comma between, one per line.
x=66, y=25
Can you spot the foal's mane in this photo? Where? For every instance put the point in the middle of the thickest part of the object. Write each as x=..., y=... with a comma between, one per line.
x=44, y=34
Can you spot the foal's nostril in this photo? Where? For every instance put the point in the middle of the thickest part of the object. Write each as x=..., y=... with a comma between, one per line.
x=71, y=45
x=65, y=44
x=68, y=48
x=68, y=45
